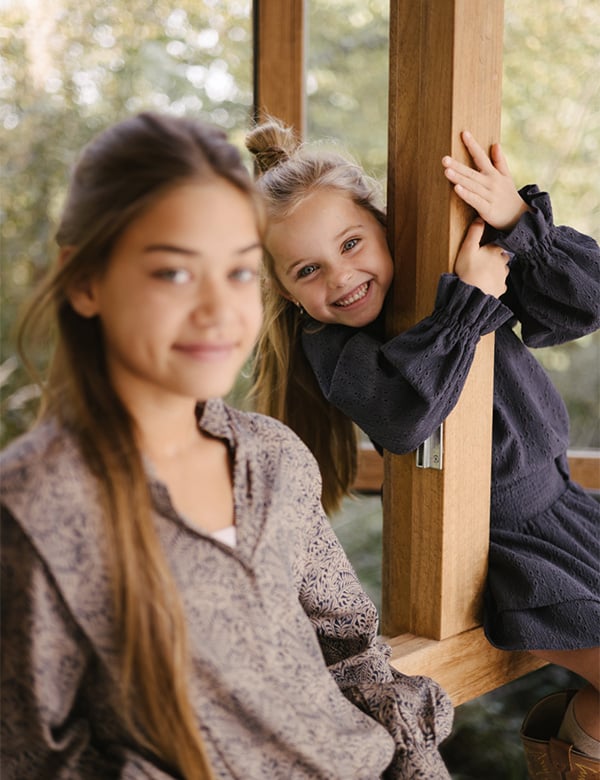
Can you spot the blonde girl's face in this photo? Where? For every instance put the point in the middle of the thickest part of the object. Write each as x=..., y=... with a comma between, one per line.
x=331, y=257
x=179, y=302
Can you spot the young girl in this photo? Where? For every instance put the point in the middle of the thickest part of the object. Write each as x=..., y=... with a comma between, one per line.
x=323, y=345
x=175, y=603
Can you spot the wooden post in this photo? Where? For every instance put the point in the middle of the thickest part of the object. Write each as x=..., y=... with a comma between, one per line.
x=445, y=76
x=279, y=33
x=445, y=61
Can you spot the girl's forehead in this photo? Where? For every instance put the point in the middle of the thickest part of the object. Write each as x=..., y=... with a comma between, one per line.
x=324, y=204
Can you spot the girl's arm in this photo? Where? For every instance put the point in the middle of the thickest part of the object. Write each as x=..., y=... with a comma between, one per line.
x=47, y=729
x=415, y=710
x=399, y=391
x=554, y=280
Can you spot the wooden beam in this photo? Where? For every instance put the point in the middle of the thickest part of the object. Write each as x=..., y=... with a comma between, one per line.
x=279, y=61
x=445, y=76
x=583, y=464
x=465, y=665
x=585, y=468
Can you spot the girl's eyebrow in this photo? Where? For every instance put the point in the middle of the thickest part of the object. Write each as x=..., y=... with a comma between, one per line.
x=348, y=229
x=181, y=250
x=171, y=248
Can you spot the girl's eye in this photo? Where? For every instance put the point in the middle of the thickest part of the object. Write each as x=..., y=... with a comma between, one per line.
x=244, y=275
x=350, y=244
x=307, y=270
x=175, y=275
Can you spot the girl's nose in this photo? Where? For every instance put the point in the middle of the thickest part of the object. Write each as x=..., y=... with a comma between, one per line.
x=211, y=302
x=339, y=277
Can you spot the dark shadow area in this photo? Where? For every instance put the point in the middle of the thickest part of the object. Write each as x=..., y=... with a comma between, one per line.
x=485, y=741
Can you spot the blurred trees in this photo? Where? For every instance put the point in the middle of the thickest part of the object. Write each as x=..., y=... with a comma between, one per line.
x=550, y=130
x=70, y=67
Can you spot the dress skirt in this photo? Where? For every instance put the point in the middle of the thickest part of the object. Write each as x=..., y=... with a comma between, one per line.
x=543, y=588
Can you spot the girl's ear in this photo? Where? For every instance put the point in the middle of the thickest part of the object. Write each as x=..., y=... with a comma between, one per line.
x=280, y=290
x=80, y=294
x=287, y=296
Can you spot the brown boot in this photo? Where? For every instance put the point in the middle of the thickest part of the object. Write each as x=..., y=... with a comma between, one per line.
x=549, y=758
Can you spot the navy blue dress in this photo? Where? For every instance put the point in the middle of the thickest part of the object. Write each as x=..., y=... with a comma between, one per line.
x=543, y=587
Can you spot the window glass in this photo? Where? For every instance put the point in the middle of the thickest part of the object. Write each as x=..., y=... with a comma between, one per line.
x=347, y=77
x=550, y=129
x=68, y=69
x=551, y=135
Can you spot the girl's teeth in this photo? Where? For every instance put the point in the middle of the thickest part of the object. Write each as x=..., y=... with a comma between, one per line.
x=360, y=293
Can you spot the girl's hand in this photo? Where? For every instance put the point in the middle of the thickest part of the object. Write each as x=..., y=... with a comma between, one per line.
x=485, y=267
x=490, y=189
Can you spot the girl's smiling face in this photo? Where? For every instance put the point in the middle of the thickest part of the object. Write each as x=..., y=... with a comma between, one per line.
x=179, y=302
x=331, y=257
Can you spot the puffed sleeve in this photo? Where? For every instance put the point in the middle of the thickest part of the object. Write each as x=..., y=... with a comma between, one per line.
x=46, y=663
x=554, y=280
x=399, y=391
x=415, y=710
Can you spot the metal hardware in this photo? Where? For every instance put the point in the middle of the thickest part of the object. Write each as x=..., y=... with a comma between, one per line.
x=430, y=454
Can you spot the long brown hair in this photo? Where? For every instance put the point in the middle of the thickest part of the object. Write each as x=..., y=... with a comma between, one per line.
x=284, y=384
x=119, y=174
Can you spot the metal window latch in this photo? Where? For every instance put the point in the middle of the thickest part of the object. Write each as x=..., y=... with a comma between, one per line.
x=430, y=454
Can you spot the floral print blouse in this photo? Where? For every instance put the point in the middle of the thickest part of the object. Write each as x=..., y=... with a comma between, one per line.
x=289, y=678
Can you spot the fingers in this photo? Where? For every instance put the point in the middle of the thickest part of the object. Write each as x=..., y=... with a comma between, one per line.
x=485, y=267
x=483, y=163
x=488, y=187
x=499, y=160
x=474, y=195
x=475, y=232
x=478, y=155
x=469, y=184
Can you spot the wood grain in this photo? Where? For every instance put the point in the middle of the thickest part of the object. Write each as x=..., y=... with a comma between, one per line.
x=279, y=61
x=465, y=665
x=445, y=76
x=583, y=464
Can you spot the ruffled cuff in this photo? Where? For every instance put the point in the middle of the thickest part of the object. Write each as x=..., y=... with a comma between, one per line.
x=418, y=714
x=533, y=230
x=467, y=308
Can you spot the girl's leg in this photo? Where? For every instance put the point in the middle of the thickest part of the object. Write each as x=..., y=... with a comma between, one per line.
x=586, y=702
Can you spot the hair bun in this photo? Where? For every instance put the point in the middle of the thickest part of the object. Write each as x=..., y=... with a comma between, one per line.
x=271, y=143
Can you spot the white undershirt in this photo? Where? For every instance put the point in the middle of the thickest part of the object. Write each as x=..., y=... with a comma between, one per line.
x=226, y=535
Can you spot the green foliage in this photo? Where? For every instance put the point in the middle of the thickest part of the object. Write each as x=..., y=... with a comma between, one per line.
x=358, y=526
x=550, y=130
x=347, y=78
x=70, y=67
x=551, y=96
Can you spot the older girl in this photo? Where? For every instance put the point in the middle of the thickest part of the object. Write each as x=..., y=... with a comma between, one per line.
x=175, y=603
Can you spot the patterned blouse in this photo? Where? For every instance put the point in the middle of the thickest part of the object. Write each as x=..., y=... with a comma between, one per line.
x=290, y=679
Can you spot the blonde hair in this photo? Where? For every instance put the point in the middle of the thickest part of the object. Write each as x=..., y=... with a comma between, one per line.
x=119, y=175
x=284, y=384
